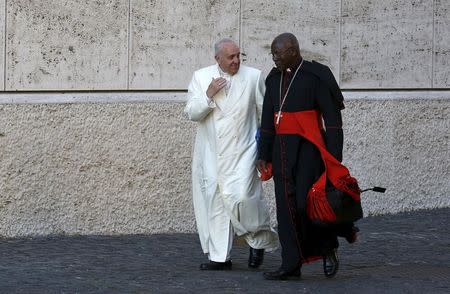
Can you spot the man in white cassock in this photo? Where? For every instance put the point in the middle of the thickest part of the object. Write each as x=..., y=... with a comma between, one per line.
x=226, y=100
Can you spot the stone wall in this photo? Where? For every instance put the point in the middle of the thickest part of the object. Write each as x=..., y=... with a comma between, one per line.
x=148, y=45
x=109, y=152
x=121, y=168
x=94, y=169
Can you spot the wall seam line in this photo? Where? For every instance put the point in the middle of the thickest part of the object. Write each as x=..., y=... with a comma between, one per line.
x=433, y=46
x=5, y=35
x=340, y=43
x=129, y=44
x=240, y=23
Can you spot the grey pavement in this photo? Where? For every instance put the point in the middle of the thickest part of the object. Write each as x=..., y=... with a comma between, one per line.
x=403, y=253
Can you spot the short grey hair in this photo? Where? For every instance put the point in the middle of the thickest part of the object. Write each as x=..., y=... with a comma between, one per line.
x=219, y=44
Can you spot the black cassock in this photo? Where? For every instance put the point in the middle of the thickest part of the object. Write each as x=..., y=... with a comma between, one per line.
x=296, y=162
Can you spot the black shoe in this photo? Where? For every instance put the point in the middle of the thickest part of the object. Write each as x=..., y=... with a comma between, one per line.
x=216, y=266
x=281, y=274
x=352, y=236
x=255, y=258
x=330, y=264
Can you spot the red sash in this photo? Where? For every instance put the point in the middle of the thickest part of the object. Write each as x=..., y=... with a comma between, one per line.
x=308, y=124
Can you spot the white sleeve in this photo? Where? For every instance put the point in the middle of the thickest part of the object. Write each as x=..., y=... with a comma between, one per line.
x=198, y=105
x=259, y=97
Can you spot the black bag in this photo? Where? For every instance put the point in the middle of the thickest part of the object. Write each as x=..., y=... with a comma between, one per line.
x=346, y=209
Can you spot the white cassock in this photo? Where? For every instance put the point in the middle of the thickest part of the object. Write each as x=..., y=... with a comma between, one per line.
x=227, y=192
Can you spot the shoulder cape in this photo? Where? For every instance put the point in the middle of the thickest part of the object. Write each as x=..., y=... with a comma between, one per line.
x=324, y=74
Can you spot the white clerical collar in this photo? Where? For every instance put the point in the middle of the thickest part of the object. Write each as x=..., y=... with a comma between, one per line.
x=224, y=74
x=227, y=77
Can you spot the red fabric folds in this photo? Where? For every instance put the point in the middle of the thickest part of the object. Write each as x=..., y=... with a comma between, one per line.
x=308, y=124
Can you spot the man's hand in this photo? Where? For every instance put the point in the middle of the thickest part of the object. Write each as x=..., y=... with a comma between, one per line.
x=265, y=168
x=215, y=86
x=261, y=165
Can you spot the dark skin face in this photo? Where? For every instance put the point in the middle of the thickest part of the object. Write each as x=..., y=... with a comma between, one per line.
x=284, y=54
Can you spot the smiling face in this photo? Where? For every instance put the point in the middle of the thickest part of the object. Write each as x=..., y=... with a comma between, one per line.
x=283, y=55
x=228, y=58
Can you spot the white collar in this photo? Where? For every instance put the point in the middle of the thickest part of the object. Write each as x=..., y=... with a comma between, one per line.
x=223, y=74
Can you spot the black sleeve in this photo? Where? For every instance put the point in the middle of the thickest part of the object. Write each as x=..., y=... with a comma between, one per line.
x=334, y=137
x=267, y=131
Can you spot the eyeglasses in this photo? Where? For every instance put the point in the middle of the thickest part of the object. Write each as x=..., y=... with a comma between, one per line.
x=279, y=54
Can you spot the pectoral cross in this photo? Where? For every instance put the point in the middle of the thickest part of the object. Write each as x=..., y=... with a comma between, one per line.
x=278, y=116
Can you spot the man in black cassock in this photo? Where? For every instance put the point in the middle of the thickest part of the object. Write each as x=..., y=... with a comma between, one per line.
x=297, y=85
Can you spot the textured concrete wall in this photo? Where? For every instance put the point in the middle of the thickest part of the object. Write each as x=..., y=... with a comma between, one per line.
x=115, y=168
x=387, y=43
x=402, y=145
x=94, y=169
x=442, y=44
x=67, y=44
x=171, y=38
x=2, y=44
x=139, y=44
x=112, y=168
x=315, y=23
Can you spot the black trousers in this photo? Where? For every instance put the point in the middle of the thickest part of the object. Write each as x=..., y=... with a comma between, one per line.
x=297, y=164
